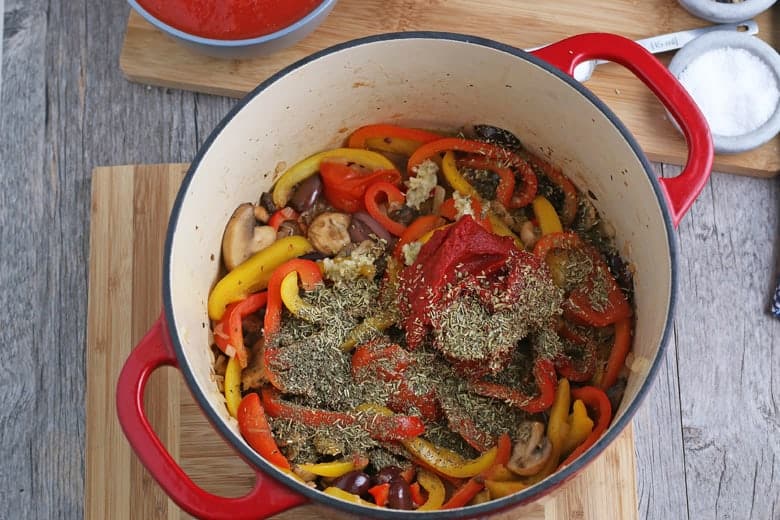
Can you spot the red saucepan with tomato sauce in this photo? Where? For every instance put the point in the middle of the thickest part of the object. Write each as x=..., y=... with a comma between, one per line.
x=416, y=80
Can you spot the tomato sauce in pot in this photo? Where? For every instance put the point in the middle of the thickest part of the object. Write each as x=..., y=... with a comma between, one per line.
x=230, y=19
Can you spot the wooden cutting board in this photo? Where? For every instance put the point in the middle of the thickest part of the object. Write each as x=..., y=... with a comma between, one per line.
x=149, y=56
x=130, y=208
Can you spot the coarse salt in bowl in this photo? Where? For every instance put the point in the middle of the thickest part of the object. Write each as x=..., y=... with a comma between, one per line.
x=735, y=80
x=726, y=11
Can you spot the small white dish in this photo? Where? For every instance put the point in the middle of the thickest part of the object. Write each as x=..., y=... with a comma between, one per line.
x=726, y=12
x=714, y=41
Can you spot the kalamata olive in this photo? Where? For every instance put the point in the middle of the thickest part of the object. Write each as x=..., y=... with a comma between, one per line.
x=405, y=215
x=305, y=195
x=363, y=226
x=498, y=136
x=622, y=273
x=267, y=201
x=399, y=495
x=355, y=482
x=387, y=474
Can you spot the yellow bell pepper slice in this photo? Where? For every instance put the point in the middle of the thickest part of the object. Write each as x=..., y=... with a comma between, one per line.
x=378, y=322
x=431, y=483
x=503, y=488
x=233, y=386
x=306, y=168
x=458, y=182
x=557, y=429
x=290, y=295
x=440, y=459
x=349, y=497
x=580, y=426
x=501, y=229
x=329, y=469
x=253, y=274
x=502, y=474
x=545, y=213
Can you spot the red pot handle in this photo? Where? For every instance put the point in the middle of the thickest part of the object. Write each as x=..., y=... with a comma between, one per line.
x=267, y=498
x=682, y=190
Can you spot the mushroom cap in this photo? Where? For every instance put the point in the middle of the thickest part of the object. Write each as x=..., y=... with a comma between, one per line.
x=243, y=237
x=329, y=232
x=532, y=450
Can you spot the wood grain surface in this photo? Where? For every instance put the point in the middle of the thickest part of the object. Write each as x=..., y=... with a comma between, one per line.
x=707, y=445
x=149, y=56
x=130, y=207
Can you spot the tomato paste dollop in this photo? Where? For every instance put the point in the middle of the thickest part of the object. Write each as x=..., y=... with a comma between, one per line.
x=477, y=295
x=229, y=19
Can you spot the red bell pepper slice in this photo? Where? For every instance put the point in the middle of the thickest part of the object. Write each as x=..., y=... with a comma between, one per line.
x=578, y=306
x=380, y=427
x=506, y=185
x=469, y=490
x=359, y=136
x=492, y=152
x=416, y=230
x=617, y=356
x=544, y=373
x=569, y=211
x=380, y=493
x=309, y=274
x=345, y=186
x=465, y=426
x=254, y=426
x=417, y=495
x=286, y=213
x=595, y=399
x=229, y=332
x=448, y=211
x=393, y=196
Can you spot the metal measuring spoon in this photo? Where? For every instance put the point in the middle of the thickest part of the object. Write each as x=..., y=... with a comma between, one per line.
x=667, y=42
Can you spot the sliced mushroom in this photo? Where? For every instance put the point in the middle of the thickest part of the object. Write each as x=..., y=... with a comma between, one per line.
x=531, y=451
x=243, y=237
x=329, y=232
x=253, y=376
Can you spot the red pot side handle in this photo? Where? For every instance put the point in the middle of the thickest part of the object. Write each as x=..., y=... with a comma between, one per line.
x=267, y=498
x=682, y=190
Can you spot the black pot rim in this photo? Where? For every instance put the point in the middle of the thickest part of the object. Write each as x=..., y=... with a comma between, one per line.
x=533, y=493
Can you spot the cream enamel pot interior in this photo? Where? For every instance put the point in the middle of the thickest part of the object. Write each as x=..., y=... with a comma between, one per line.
x=430, y=80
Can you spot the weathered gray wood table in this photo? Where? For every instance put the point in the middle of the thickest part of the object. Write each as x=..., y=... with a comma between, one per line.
x=708, y=436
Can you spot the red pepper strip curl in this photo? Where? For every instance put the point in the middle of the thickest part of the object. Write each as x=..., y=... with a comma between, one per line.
x=576, y=370
x=393, y=196
x=229, y=333
x=578, y=307
x=595, y=399
x=474, y=485
x=359, y=137
x=546, y=380
x=490, y=151
x=309, y=274
x=281, y=215
x=569, y=210
x=254, y=427
x=506, y=184
x=617, y=356
x=379, y=427
x=416, y=230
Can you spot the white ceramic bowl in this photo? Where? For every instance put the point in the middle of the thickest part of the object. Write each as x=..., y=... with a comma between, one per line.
x=726, y=12
x=728, y=144
x=452, y=80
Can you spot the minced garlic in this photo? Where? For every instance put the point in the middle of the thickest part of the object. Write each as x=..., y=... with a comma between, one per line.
x=462, y=205
x=410, y=252
x=420, y=186
x=360, y=263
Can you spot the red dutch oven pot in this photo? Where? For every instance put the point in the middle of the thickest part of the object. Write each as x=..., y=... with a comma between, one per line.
x=430, y=80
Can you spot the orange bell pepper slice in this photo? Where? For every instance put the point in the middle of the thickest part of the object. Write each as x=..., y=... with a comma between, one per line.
x=254, y=427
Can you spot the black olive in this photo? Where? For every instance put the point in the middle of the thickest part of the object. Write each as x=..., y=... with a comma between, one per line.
x=405, y=215
x=363, y=226
x=355, y=482
x=314, y=256
x=267, y=201
x=623, y=275
x=498, y=136
x=399, y=495
x=306, y=194
x=387, y=474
